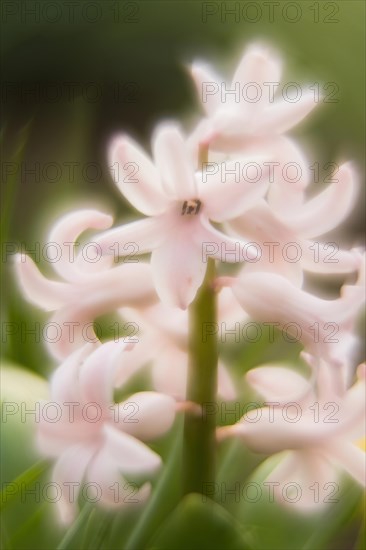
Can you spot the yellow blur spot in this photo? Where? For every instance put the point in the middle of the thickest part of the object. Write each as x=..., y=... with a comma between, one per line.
x=361, y=443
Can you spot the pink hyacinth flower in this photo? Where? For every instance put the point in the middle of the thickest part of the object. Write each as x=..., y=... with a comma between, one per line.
x=95, y=439
x=180, y=206
x=88, y=288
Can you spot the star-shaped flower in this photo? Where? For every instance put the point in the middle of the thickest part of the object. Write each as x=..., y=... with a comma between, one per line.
x=95, y=439
x=316, y=432
x=246, y=112
x=180, y=205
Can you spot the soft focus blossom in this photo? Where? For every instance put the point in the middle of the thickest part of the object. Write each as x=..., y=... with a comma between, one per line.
x=284, y=238
x=95, y=439
x=199, y=203
x=323, y=326
x=163, y=343
x=88, y=288
x=181, y=206
x=251, y=113
x=319, y=430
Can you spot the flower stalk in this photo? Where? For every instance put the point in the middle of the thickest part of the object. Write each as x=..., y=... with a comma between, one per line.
x=199, y=431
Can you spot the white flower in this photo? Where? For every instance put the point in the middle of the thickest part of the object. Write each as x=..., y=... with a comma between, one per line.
x=95, y=439
x=323, y=326
x=163, y=342
x=89, y=288
x=251, y=113
x=320, y=432
x=284, y=232
x=180, y=205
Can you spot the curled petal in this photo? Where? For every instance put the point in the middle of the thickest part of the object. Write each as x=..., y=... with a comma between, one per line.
x=271, y=298
x=329, y=208
x=136, y=176
x=42, y=292
x=132, y=238
x=261, y=226
x=65, y=233
x=126, y=284
x=284, y=115
x=318, y=257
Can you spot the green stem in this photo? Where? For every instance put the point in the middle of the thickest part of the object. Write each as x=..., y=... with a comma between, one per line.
x=199, y=430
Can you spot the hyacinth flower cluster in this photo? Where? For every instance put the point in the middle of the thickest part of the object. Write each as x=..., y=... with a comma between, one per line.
x=219, y=195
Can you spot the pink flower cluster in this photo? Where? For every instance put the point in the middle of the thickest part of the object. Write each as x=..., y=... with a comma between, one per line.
x=199, y=203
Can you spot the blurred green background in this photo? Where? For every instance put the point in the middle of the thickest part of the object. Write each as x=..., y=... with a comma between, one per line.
x=76, y=73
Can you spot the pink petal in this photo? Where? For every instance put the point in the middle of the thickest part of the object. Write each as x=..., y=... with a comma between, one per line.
x=304, y=481
x=132, y=456
x=215, y=244
x=226, y=195
x=177, y=266
x=97, y=374
x=136, y=176
x=64, y=381
x=208, y=87
x=68, y=474
x=132, y=238
x=271, y=298
x=326, y=210
x=259, y=65
x=173, y=161
x=279, y=384
x=64, y=234
x=135, y=358
x=126, y=284
x=42, y=292
x=261, y=226
x=274, y=428
x=229, y=309
x=284, y=115
x=169, y=372
x=112, y=489
x=146, y=415
x=351, y=458
x=327, y=258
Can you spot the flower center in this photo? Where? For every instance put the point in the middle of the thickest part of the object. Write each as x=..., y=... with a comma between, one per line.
x=191, y=207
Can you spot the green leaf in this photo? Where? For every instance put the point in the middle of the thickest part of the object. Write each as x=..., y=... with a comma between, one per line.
x=163, y=499
x=12, y=489
x=72, y=534
x=199, y=524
